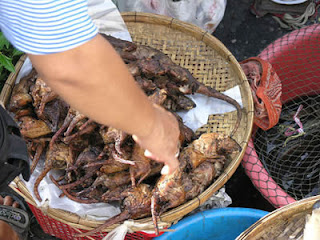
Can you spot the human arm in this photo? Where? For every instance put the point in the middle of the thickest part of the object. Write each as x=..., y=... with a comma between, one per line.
x=85, y=71
x=93, y=79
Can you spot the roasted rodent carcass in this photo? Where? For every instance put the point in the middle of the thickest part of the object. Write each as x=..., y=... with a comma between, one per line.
x=210, y=147
x=57, y=157
x=33, y=128
x=187, y=182
x=21, y=97
x=136, y=204
x=146, y=63
x=174, y=189
x=41, y=95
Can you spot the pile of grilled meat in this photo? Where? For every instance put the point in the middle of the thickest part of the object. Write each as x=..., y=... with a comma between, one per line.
x=104, y=164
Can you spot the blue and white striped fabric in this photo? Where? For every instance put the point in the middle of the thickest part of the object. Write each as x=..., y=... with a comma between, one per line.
x=46, y=26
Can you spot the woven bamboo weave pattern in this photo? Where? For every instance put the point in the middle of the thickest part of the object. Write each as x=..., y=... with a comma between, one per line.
x=285, y=223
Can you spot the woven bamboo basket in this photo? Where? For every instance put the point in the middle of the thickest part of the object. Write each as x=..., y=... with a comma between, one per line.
x=210, y=62
x=284, y=223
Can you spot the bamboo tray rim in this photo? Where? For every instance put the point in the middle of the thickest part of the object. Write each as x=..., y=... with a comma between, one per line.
x=301, y=206
x=177, y=213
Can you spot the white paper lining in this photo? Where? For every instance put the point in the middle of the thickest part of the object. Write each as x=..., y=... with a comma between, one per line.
x=206, y=106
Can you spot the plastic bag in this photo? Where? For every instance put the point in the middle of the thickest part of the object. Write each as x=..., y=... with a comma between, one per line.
x=107, y=18
x=206, y=14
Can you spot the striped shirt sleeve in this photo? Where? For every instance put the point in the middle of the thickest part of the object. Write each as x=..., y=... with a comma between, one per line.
x=46, y=26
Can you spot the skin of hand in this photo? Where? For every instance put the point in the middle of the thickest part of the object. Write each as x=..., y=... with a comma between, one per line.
x=6, y=231
x=166, y=152
x=93, y=79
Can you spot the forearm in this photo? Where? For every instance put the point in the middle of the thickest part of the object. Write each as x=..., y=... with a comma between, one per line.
x=93, y=79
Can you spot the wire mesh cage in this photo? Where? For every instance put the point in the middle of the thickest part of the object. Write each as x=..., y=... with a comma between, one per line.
x=283, y=162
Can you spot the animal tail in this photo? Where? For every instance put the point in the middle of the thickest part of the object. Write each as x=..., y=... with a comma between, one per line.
x=37, y=183
x=78, y=182
x=116, y=219
x=210, y=92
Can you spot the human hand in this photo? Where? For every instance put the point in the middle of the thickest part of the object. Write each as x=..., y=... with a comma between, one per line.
x=162, y=143
x=6, y=231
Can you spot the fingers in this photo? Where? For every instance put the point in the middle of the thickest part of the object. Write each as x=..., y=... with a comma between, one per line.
x=135, y=138
x=8, y=201
x=170, y=167
x=165, y=170
x=15, y=205
x=149, y=154
x=162, y=144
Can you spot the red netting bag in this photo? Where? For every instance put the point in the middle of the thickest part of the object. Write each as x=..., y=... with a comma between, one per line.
x=284, y=162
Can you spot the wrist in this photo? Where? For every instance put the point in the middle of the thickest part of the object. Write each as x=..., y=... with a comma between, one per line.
x=154, y=127
x=149, y=127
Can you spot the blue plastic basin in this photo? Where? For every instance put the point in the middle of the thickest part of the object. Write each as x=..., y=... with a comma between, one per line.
x=214, y=224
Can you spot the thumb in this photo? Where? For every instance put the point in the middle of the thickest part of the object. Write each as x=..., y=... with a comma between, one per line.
x=170, y=167
x=148, y=154
x=165, y=170
x=136, y=139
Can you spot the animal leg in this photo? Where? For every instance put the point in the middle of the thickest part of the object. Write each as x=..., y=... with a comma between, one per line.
x=37, y=182
x=78, y=182
x=98, y=163
x=103, y=152
x=69, y=195
x=73, y=123
x=47, y=98
x=133, y=179
x=154, y=215
x=83, y=126
x=85, y=191
x=37, y=156
x=144, y=176
x=121, y=160
x=88, y=129
x=64, y=126
x=60, y=178
x=119, y=140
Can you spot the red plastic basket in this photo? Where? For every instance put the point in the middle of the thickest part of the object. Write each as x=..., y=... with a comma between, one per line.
x=65, y=232
x=296, y=59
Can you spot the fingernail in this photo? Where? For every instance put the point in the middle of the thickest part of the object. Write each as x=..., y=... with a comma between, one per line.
x=165, y=170
x=135, y=138
x=147, y=153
